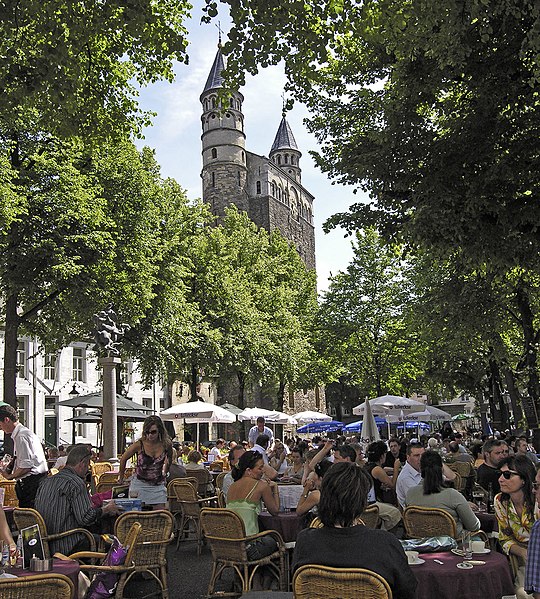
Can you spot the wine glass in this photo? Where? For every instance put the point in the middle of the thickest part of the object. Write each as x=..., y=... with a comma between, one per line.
x=478, y=497
x=4, y=556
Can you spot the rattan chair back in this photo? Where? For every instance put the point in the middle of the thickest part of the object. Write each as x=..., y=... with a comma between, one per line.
x=25, y=517
x=40, y=586
x=150, y=550
x=219, y=480
x=221, y=499
x=190, y=510
x=204, y=478
x=321, y=582
x=370, y=516
x=316, y=523
x=10, y=496
x=99, y=468
x=226, y=534
x=428, y=522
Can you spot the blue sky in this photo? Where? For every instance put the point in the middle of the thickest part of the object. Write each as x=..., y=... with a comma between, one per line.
x=176, y=132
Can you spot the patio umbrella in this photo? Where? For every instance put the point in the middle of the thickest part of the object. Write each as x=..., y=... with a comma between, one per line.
x=419, y=425
x=429, y=414
x=195, y=412
x=95, y=400
x=462, y=417
x=281, y=418
x=356, y=427
x=312, y=416
x=127, y=415
x=370, y=432
x=254, y=413
x=231, y=408
x=390, y=404
x=321, y=427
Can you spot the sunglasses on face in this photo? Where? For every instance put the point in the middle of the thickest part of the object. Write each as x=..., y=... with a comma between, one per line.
x=507, y=474
x=536, y=486
x=153, y=432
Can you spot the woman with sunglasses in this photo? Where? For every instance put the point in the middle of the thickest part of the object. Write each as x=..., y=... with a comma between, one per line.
x=154, y=456
x=516, y=511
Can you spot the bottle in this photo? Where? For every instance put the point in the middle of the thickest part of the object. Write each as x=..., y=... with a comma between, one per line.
x=19, y=562
x=490, y=497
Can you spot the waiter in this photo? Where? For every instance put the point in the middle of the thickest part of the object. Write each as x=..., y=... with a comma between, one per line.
x=29, y=465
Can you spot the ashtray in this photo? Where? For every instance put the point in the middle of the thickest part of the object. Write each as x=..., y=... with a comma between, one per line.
x=41, y=565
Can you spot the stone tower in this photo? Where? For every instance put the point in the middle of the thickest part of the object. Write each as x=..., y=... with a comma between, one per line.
x=269, y=189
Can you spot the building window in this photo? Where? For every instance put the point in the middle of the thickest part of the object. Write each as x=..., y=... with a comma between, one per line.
x=22, y=363
x=79, y=365
x=213, y=104
x=243, y=157
x=213, y=179
x=80, y=427
x=292, y=159
x=214, y=153
x=286, y=159
x=22, y=407
x=162, y=405
x=273, y=189
x=49, y=366
x=147, y=402
x=278, y=159
x=50, y=402
x=258, y=187
x=239, y=179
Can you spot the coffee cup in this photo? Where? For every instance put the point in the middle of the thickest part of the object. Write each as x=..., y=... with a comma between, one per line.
x=412, y=556
x=478, y=546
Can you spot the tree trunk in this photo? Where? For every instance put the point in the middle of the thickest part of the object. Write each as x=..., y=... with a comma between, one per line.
x=501, y=423
x=193, y=383
x=515, y=397
x=281, y=395
x=241, y=388
x=11, y=343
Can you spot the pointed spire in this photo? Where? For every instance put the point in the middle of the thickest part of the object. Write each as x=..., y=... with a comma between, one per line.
x=284, y=137
x=215, y=79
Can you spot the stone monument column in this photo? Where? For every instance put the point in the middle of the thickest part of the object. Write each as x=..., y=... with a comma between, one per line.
x=109, y=417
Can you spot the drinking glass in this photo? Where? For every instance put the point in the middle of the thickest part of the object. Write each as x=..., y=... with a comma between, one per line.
x=466, y=546
x=478, y=497
x=4, y=557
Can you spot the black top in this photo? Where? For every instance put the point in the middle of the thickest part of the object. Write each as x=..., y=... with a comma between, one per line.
x=358, y=547
x=485, y=475
x=376, y=483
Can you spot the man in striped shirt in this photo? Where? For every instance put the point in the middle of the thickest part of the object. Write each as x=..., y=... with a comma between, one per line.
x=64, y=502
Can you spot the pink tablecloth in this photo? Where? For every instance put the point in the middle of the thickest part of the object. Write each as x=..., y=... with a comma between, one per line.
x=288, y=524
x=69, y=568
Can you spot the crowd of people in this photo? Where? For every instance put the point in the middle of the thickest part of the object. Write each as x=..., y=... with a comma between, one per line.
x=340, y=478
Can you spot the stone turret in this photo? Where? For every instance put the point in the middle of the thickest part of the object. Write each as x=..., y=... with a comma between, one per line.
x=224, y=172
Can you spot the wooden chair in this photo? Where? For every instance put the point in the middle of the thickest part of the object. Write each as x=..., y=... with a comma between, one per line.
x=226, y=535
x=428, y=522
x=10, y=497
x=150, y=551
x=123, y=571
x=24, y=517
x=190, y=510
x=204, y=481
x=321, y=582
x=40, y=586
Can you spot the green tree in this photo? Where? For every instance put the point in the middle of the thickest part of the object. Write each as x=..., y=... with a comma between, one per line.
x=362, y=320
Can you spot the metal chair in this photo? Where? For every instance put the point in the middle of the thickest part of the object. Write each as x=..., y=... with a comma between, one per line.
x=321, y=582
x=190, y=510
x=25, y=517
x=428, y=522
x=150, y=551
x=226, y=535
x=41, y=586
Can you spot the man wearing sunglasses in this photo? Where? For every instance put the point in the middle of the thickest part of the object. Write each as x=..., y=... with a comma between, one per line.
x=532, y=570
x=494, y=451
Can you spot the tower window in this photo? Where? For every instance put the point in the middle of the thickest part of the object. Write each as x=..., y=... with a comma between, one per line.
x=290, y=172
x=239, y=180
x=278, y=159
x=243, y=157
x=286, y=159
x=273, y=189
x=292, y=159
x=228, y=115
x=213, y=179
x=214, y=153
x=213, y=102
x=258, y=187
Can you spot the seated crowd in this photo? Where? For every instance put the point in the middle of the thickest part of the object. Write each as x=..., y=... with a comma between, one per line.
x=339, y=482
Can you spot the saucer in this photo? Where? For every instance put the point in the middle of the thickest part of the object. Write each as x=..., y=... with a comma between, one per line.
x=417, y=562
x=485, y=550
x=464, y=566
x=458, y=552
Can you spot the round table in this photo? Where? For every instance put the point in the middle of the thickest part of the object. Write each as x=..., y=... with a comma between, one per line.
x=488, y=522
x=288, y=524
x=445, y=581
x=69, y=568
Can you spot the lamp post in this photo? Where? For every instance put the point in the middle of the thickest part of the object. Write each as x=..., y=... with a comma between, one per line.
x=73, y=394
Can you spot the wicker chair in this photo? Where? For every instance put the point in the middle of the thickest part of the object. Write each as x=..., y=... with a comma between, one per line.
x=204, y=481
x=370, y=516
x=150, y=552
x=468, y=476
x=190, y=510
x=10, y=497
x=41, y=586
x=226, y=534
x=25, y=517
x=124, y=571
x=219, y=480
x=316, y=523
x=321, y=582
x=221, y=499
x=428, y=522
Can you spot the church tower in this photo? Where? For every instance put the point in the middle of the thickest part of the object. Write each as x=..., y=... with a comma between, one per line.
x=224, y=171
x=285, y=152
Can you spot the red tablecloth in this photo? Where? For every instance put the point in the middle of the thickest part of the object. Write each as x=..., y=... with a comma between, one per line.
x=69, y=568
x=488, y=522
x=288, y=524
x=446, y=581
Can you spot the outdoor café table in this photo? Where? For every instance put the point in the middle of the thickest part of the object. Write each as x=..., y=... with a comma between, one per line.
x=445, y=581
x=288, y=524
x=69, y=568
x=289, y=496
x=488, y=522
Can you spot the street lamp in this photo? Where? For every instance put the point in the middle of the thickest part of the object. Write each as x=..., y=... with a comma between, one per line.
x=73, y=394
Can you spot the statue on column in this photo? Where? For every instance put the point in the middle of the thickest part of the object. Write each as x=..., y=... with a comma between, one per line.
x=108, y=333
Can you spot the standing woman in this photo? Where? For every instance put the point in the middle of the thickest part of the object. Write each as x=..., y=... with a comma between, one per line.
x=516, y=511
x=154, y=456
